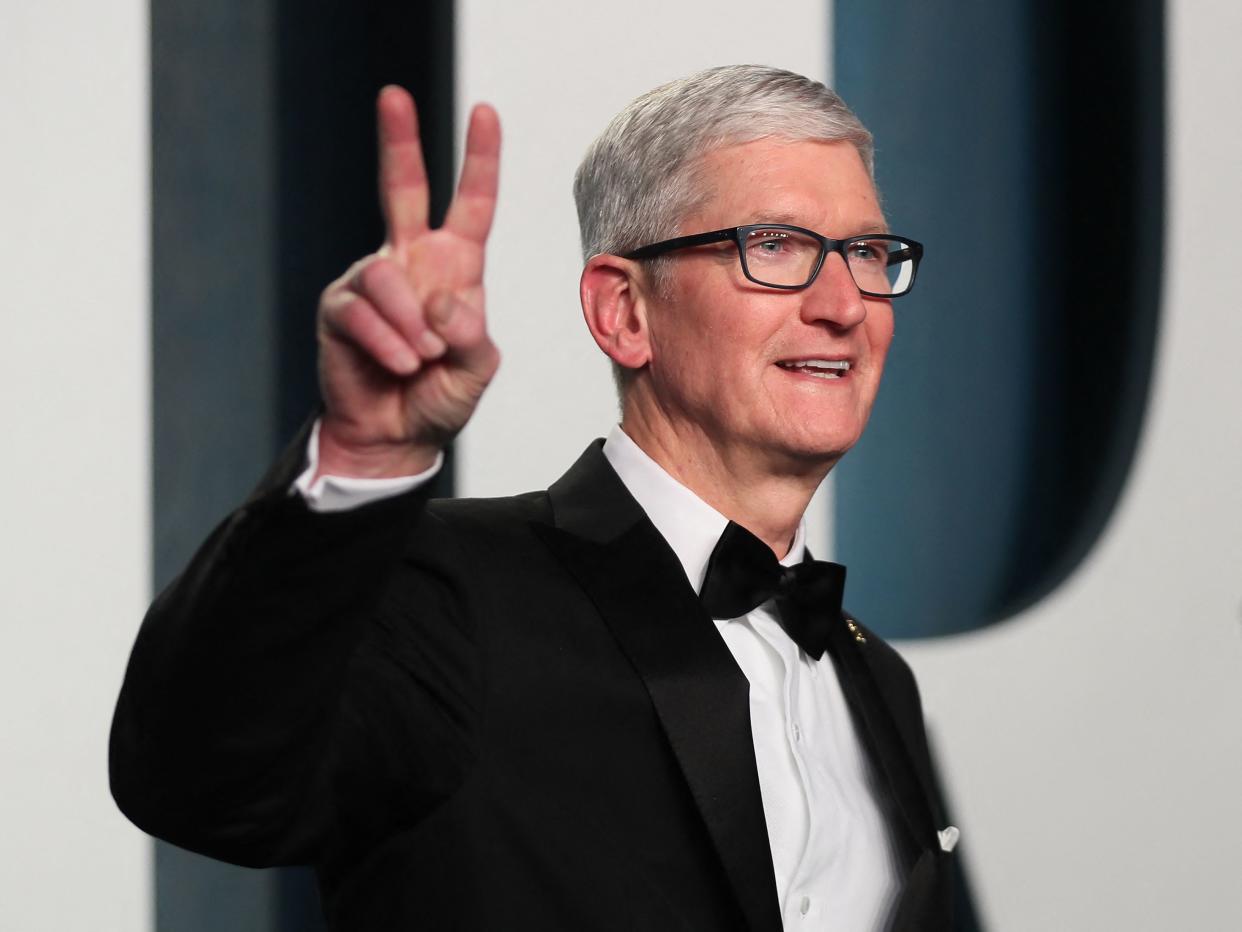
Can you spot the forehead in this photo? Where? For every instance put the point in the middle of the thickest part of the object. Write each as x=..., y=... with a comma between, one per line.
x=820, y=185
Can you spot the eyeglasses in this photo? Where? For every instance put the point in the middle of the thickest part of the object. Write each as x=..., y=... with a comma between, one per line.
x=778, y=255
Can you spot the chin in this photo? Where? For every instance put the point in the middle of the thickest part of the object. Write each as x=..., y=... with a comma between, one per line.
x=820, y=436
x=817, y=449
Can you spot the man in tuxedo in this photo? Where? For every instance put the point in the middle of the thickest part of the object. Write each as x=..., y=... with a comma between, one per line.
x=631, y=701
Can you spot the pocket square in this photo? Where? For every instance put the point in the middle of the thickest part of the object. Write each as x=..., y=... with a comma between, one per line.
x=948, y=838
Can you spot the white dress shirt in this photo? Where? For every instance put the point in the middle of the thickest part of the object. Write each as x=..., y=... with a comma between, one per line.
x=836, y=867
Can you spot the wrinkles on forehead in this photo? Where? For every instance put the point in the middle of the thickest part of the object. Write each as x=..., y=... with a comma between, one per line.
x=768, y=196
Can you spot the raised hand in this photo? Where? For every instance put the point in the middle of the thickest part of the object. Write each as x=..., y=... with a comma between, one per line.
x=404, y=354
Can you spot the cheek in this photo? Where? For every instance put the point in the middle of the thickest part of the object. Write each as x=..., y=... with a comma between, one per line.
x=879, y=335
x=700, y=337
x=684, y=368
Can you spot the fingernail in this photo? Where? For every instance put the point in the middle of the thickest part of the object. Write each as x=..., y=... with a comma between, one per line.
x=430, y=345
x=407, y=362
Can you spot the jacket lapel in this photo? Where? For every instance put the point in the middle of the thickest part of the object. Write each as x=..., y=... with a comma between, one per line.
x=887, y=737
x=700, y=696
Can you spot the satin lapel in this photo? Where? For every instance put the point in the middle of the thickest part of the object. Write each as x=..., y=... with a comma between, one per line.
x=884, y=736
x=700, y=696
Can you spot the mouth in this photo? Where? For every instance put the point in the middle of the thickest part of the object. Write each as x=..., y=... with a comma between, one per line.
x=818, y=368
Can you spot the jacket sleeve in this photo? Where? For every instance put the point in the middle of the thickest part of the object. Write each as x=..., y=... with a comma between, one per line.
x=304, y=684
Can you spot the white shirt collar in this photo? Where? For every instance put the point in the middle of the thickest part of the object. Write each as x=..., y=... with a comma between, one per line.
x=689, y=524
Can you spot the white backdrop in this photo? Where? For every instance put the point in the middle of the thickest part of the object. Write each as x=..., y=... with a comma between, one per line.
x=74, y=551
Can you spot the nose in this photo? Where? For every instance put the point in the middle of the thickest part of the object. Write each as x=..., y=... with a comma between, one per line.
x=833, y=297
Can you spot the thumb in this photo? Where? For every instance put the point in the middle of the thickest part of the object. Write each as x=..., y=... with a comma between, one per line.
x=462, y=326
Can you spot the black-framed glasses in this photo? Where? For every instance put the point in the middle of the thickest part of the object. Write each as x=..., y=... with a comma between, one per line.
x=778, y=255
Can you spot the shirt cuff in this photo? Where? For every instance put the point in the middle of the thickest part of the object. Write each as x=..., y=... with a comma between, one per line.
x=341, y=493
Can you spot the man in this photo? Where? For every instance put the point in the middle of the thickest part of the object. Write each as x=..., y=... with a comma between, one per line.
x=607, y=705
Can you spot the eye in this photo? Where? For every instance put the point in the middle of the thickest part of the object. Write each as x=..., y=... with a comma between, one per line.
x=768, y=242
x=868, y=251
x=773, y=245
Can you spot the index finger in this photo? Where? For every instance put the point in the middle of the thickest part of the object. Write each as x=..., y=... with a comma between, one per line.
x=474, y=204
x=402, y=174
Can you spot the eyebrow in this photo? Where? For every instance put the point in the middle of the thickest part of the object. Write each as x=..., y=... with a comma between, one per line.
x=780, y=216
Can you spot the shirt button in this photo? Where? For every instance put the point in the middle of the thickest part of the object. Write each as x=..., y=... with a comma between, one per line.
x=805, y=906
x=797, y=732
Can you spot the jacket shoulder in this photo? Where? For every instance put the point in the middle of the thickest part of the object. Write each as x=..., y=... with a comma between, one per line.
x=507, y=509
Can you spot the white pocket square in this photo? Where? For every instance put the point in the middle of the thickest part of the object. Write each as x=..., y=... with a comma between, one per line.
x=949, y=837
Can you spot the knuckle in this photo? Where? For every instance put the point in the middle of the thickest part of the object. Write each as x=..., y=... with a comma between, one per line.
x=330, y=300
x=489, y=361
x=353, y=274
x=373, y=275
x=334, y=307
x=355, y=313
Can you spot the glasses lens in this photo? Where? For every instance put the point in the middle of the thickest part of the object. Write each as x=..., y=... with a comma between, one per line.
x=881, y=265
x=780, y=257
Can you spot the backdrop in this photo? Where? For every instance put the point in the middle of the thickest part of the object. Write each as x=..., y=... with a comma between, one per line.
x=1065, y=470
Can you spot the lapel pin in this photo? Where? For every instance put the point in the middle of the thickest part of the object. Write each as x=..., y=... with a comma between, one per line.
x=949, y=837
x=856, y=631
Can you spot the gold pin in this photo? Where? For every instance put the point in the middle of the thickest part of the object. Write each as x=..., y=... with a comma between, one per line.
x=856, y=631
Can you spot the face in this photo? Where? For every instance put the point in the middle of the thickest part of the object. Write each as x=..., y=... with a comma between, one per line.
x=728, y=357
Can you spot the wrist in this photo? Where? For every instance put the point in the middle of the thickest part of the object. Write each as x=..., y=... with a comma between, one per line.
x=370, y=460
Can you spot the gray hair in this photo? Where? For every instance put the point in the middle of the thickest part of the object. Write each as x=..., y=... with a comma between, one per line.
x=637, y=180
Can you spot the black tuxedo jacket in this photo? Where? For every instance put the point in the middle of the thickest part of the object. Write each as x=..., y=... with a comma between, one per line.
x=488, y=714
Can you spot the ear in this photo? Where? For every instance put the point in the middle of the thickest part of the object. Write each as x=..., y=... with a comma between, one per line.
x=614, y=304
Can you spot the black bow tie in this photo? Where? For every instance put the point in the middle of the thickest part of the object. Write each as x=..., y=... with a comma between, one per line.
x=743, y=573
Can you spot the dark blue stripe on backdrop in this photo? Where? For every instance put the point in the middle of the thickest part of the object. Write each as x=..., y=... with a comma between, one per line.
x=264, y=190
x=1023, y=143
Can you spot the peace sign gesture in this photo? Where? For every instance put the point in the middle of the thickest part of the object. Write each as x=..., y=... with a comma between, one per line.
x=404, y=354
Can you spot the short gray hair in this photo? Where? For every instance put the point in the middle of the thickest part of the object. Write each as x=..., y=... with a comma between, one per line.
x=637, y=180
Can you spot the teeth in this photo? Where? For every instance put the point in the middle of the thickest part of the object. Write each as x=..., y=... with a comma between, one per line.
x=820, y=368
